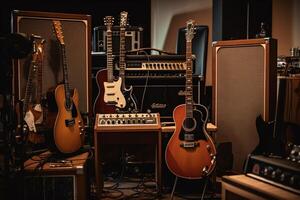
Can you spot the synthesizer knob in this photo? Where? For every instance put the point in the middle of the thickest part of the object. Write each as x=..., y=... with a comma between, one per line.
x=295, y=181
x=268, y=171
x=276, y=174
x=284, y=177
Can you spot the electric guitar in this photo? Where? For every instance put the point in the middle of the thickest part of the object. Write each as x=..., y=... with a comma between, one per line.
x=37, y=109
x=190, y=153
x=130, y=105
x=271, y=134
x=68, y=131
x=110, y=95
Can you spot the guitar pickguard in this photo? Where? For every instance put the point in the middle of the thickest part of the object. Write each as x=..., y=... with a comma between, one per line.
x=194, y=127
x=130, y=99
x=113, y=94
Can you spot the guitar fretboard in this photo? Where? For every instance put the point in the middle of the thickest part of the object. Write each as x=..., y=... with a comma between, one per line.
x=109, y=56
x=28, y=90
x=189, y=81
x=122, y=56
x=66, y=79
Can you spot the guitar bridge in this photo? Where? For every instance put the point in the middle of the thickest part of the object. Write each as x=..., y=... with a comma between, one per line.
x=189, y=144
x=69, y=122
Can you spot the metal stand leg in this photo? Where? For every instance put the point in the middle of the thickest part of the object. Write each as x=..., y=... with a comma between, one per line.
x=204, y=188
x=174, y=186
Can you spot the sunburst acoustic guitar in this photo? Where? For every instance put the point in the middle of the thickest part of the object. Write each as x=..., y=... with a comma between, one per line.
x=190, y=152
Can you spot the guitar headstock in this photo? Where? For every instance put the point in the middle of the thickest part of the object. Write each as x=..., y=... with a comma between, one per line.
x=40, y=48
x=123, y=19
x=58, y=31
x=190, y=30
x=108, y=22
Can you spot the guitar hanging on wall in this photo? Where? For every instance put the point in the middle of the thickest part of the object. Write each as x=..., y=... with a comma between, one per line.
x=190, y=153
x=110, y=96
x=68, y=131
x=130, y=105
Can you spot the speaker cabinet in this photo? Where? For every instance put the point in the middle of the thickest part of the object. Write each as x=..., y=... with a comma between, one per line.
x=244, y=86
x=76, y=30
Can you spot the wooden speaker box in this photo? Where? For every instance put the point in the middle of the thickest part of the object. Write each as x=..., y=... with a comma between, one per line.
x=76, y=30
x=66, y=178
x=244, y=86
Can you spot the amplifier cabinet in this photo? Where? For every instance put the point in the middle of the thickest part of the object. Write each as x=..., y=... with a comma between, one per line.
x=242, y=187
x=78, y=56
x=133, y=38
x=50, y=187
x=244, y=86
x=276, y=171
x=56, y=180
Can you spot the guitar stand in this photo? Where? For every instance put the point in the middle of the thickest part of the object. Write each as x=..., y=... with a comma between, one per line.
x=175, y=183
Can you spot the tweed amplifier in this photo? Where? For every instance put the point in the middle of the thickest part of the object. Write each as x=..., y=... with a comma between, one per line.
x=140, y=121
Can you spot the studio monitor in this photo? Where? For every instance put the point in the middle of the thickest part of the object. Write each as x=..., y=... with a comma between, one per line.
x=244, y=86
x=76, y=30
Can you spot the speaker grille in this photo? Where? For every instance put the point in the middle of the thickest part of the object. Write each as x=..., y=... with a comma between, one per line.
x=241, y=92
x=77, y=34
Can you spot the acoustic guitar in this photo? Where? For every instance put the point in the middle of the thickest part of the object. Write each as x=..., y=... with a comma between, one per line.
x=130, y=105
x=190, y=152
x=68, y=131
x=109, y=96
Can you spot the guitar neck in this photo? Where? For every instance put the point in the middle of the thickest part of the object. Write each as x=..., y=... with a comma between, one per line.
x=189, y=81
x=109, y=58
x=122, y=56
x=279, y=113
x=39, y=79
x=65, y=74
x=28, y=89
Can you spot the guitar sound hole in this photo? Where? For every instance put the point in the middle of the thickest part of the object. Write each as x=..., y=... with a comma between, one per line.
x=189, y=124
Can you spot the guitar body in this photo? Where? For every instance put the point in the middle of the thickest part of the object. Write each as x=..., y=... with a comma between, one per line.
x=190, y=162
x=268, y=145
x=113, y=94
x=99, y=105
x=67, y=135
x=130, y=99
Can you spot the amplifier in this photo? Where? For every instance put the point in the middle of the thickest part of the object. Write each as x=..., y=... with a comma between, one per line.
x=277, y=171
x=154, y=66
x=133, y=38
x=64, y=178
x=50, y=187
x=112, y=122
